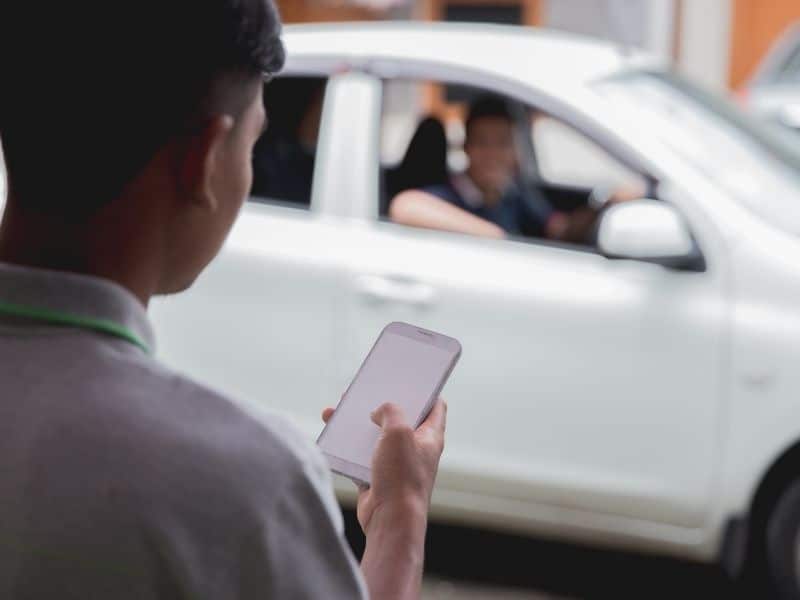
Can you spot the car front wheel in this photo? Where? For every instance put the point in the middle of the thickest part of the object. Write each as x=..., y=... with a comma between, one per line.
x=782, y=544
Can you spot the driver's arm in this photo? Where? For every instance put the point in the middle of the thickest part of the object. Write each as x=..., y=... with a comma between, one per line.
x=421, y=209
x=573, y=227
x=576, y=226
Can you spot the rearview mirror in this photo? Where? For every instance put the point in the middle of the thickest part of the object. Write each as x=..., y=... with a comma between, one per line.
x=651, y=231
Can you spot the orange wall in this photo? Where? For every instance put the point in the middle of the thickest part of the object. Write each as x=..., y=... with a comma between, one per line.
x=300, y=11
x=756, y=25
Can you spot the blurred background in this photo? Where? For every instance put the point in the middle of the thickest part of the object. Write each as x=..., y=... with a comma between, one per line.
x=718, y=43
x=747, y=48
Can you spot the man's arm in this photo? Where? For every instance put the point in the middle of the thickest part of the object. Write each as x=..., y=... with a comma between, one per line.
x=394, y=554
x=571, y=227
x=576, y=226
x=421, y=209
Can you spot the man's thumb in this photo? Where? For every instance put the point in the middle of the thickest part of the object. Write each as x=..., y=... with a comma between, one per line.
x=388, y=414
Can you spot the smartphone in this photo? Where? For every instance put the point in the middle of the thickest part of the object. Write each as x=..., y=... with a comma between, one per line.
x=408, y=366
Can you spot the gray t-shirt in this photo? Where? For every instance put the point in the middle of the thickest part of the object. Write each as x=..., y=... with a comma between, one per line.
x=121, y=479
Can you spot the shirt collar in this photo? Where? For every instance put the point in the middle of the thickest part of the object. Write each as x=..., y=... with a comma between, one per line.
x=75, y=294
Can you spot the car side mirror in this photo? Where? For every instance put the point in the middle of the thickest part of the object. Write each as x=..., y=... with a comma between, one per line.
x=650, y=231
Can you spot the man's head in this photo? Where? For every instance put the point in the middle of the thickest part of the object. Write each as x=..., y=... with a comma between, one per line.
x=489, y=144
x=151, y=102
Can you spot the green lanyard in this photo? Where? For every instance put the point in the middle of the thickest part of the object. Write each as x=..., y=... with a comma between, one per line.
x=77, y=321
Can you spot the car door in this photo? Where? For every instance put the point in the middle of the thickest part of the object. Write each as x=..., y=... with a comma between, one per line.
x=586, y=385
x=262, y=323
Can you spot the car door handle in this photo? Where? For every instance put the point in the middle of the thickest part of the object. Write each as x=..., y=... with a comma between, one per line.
x=380, y=289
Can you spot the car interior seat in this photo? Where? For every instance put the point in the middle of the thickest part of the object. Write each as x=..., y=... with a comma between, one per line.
x=424, y=163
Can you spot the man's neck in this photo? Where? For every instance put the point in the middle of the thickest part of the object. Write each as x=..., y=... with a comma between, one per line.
x=89, y=248
x=490, y=196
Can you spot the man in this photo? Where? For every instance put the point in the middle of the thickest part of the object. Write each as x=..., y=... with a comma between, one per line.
x=127, y=129
x=488, y=199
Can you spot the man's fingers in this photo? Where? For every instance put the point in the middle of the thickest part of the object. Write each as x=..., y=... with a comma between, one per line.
x=437, y=418
x=432, y=429
x=327, y=414
x=387, y=415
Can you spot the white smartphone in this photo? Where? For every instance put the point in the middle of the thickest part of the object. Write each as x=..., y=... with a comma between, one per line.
x=407, y=366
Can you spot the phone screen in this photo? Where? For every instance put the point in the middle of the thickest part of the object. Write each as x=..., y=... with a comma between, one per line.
x=399, y=369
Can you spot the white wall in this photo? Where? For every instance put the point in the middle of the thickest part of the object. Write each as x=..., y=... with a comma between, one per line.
x=705, y=30
x=704, y=52
x=622, y=21
x=660, y=27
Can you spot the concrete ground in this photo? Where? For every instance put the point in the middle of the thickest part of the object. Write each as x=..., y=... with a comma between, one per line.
x=437, y=588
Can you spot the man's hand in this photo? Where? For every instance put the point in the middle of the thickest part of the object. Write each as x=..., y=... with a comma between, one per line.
x=404, y=465
x=393, y=512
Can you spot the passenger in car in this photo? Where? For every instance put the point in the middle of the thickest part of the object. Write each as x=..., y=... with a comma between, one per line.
x=489, y=199
x=283, y=158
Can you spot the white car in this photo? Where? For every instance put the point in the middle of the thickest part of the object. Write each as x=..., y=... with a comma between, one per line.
x=644, y=393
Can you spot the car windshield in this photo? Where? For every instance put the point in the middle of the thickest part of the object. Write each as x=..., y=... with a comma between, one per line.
x=758, y=166
x=789, y=71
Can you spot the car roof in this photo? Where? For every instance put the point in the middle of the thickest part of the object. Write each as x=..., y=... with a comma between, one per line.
x=523, y=53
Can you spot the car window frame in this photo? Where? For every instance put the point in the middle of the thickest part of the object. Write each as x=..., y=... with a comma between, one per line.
x=767, y=72
x=595, y=148
x=657, y=173
x=517, y=91
x=792, y=59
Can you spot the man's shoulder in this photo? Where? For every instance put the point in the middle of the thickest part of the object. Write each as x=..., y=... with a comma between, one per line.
x=187, y=427
x=171, y=468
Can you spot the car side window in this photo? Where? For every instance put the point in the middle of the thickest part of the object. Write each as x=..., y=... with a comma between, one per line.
x=566, y=157
x=466, y=160
x=284, y=156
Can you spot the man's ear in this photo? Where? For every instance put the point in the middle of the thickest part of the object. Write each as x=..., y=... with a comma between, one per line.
x=199, y=161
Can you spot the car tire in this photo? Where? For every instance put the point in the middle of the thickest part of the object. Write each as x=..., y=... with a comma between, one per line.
x=781, y=539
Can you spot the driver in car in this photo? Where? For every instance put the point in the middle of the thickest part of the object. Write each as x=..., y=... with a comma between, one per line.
x=489, y=199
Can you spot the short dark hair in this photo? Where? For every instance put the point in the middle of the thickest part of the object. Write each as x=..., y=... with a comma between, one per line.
x=487, y=105
x=91, y=90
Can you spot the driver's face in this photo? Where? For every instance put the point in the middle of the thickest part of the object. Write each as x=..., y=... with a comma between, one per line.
x=492, y=154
